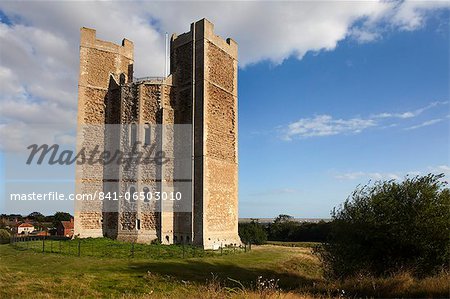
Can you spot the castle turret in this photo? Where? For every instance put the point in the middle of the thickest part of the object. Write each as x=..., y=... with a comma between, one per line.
x=204, y=68
x=102, y=65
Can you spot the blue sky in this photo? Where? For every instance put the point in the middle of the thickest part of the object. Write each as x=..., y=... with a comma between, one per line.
x=404, y=71
x=331, y=95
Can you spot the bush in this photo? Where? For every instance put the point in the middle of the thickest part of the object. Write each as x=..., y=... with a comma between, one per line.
x=391, y=226
x=4, y=236
x=252, y=232
x=285, y=229
x=312, y=232
x=60, y=216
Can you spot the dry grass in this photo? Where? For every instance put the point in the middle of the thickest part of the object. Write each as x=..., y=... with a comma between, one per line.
x=266, y=272
x=399, y=285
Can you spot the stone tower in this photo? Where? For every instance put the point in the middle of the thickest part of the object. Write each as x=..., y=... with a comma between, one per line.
x=200, y=94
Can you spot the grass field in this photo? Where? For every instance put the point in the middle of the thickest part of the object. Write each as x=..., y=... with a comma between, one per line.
x=267, y=271
x=103, y=247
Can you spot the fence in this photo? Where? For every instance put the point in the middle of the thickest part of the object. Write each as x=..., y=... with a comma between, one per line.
x=103, y=247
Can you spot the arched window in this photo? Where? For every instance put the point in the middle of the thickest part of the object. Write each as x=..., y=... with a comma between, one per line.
x=146, y=194
x=133, y=134
x=122, y=78
x=147, y=132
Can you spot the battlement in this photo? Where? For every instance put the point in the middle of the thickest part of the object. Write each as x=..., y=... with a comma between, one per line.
x=99, y=60
x=204, y=29
x=89, y=40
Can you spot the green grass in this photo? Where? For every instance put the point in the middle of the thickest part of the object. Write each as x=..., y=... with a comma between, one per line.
x=296, y=272
x=103, y=247
x=32, y=273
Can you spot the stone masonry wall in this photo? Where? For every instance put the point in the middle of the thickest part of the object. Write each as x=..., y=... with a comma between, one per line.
x=100, y=63
x=220, y=121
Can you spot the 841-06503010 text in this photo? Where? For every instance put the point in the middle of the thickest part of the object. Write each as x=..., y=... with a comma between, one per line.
x=128, y=196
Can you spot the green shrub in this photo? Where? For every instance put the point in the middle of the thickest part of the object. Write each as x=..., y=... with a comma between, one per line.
x=252, y=232
x=283, y=229
x=391, y=226
x=4, y=236
x=286, y=229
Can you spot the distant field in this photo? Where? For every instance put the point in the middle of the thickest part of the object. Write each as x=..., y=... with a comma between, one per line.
x=294, y=244
x=296, y=273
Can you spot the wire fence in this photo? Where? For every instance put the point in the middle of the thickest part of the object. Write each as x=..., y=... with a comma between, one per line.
x=103, y=247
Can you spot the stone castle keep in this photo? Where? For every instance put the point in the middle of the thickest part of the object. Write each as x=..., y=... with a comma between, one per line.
x=199, y=94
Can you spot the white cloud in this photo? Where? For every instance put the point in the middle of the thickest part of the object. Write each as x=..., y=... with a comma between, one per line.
x=376, y=176
x=364, y=36
x=410, y=15
x=39, y=65
x=65, y=139
x=445, y=169
x=367, y=175
x=325, y=125
x=425, y=124
x=39, y=50
x=410, y=114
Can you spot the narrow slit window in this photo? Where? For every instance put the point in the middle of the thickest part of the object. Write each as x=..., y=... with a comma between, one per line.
x=133, y=134
x=147, y=135
x=132, y=191
x=138, y=224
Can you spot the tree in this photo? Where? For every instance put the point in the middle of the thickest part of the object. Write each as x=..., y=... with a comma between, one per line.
x=283, y=218
x=283, y=228
x=36, y=216
x=312, y=232
x=4, y=236
x=391, y=226
x=3, y=221
x=252, y=232
x=61, y=216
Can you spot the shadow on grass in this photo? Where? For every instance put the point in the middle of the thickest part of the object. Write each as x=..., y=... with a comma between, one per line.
x=201, y=271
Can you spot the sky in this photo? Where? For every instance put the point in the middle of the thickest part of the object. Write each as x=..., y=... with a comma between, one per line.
x=331, y=94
